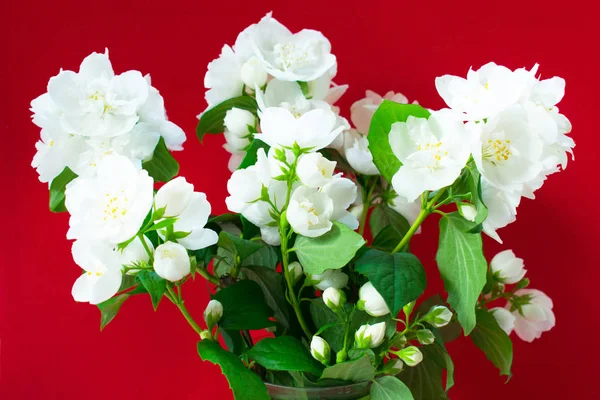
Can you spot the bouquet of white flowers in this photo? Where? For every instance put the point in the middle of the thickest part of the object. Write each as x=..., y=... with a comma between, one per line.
x=346, y=317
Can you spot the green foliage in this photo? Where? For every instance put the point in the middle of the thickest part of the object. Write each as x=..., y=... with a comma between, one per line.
x=332, y=250
x=384, y=216
x=386, y=115
x=110, y=308
x=57, y=190
x=211, y=120
x=272, y=286
x=245, y=384
x=425, y=379
x=462, y=266
x=284, y=353
x=244, y=307
x=493, y=341
x=238, y=247
x=252, y=153
x=322, y=316
x=358, y=370
x=162, y=166
x=390, y=388
x=154, y=284
x=399, y=277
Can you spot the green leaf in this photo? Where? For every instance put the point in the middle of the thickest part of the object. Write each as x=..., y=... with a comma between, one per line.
x=358, y=370
x=482, y=211
x=284, y=353
x=211, y=120
x=252, y=153
x=57, y=190
x=154, y=284
x=493, y=341
x=244, y=307
x=386, y=115
x=162, y=224
x=323, y=316
x=332, y=250
x=249, y=230
x=110, y=308
x=462, y=266
x=162, y=166
x=390, y=388
x=238, y=247
x=399, y=277
x=272, y=287
x=245, y=384
x=234, y=341
x=425, y=379
x=383, y=217
x=438, y=353
x=266, y=257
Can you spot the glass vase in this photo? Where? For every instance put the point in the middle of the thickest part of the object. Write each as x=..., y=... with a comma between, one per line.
x=346, y=392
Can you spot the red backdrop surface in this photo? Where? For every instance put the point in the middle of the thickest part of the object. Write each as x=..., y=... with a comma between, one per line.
x=51, y=347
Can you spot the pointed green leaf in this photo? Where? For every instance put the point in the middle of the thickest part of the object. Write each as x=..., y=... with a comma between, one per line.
x=154, y=284
x=358, y=370
x=493, y=341
x=252, y=153
x=244, y=307
x=162, y=166
x=237, y=246
x=272, y=287
x=284, y=353
x=390, y=388
x=110, y=308
x=211, y=121
x=462, y=266
x=57, y=190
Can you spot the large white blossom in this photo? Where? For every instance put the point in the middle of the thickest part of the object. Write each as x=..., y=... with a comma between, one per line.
x=432, y=152
x=171, y=261
x=303, y=56
x=310, y=212
x=112, y=205
x=507, y=268
x=102, y=275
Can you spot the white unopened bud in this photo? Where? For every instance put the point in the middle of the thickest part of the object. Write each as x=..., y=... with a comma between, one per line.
x=320, y=350
x=213, y=313
x=330, y=278
x=253, y=73
x=411, y=355
x=334, y=298
x=174, y=196
x=425, y=336
x=394, y=366
x=296, y=270
x=371, y=301
x=507, y=268
x=237, y=121
x=438, y=316
x=233, y=143
x=314, y=170
x=468, y=211
x=370, y=336
x=171, y=261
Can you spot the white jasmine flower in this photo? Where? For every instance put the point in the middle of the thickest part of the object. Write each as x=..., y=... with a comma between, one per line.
x=111, y=206
x=342, y=192
x=171, y=261
x=193, y=219
x=314, y=170
x=485, y=93
x=253, y=73
x=102, y=271
x=504, y=318
x=536, y=317
x=371, y=301
x=369, y=336
x=356, y=149
x=303, y=56
x=235, y=144
x=320, y=350
x=309, y=212
x=502, y=209
x=174, y=196
x=237, y=121
x=432, y=152
x=507, y=268
x=153, y=113
x=55, y=151
x=330, y=278
x=94, y=101
x=314, y=129
x=361, y=112
x=245, y=185
x=323, y=88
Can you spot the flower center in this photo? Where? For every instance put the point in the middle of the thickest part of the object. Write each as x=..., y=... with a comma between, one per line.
x=496, y=151
x=115, y=206
x=311, y=212
x=290, y=55
x=432, y=154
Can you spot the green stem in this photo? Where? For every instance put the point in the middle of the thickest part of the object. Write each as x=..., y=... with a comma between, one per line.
x=208, y=276
x=143, y=240
x=290, y=283
x=425, y=212
x=367, y=198
x=184, y=311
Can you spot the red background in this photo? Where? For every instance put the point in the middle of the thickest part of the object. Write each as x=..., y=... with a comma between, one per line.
x=51, y=347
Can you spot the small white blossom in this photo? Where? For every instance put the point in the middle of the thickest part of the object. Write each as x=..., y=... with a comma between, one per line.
x=334, y=298
x=343, y=193
x=411, y=355
x=309, y=212
x=537, y=316
x=369, y=336
x=174, y=196
x=439, y=316
x=171, y=261
x=314, y=170
x=237, y=121
x=502, y=208
x=371, y=301
x=253, y=73
x=356, y=150
x=507, y=268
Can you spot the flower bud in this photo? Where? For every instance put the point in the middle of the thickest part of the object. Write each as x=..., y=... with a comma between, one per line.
x=253, y=73
x=523, y=283
x=330, y=278
x=320, y=350
x=206, y=335
x=398, y=341
x=504, y=318
x=314, y=170
x=175, y=195
x=213, y=313
x=438, y=316
x=371, y=301
x=507, y=268
x=425, y=336
x=237, y=121
x=411, y=355
x=468, y=211
x=296, y=270
x=233, y=143
x=334, y=298
x=370, y=336
x=408, y=309
x=171, y=261
x=394, y=366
